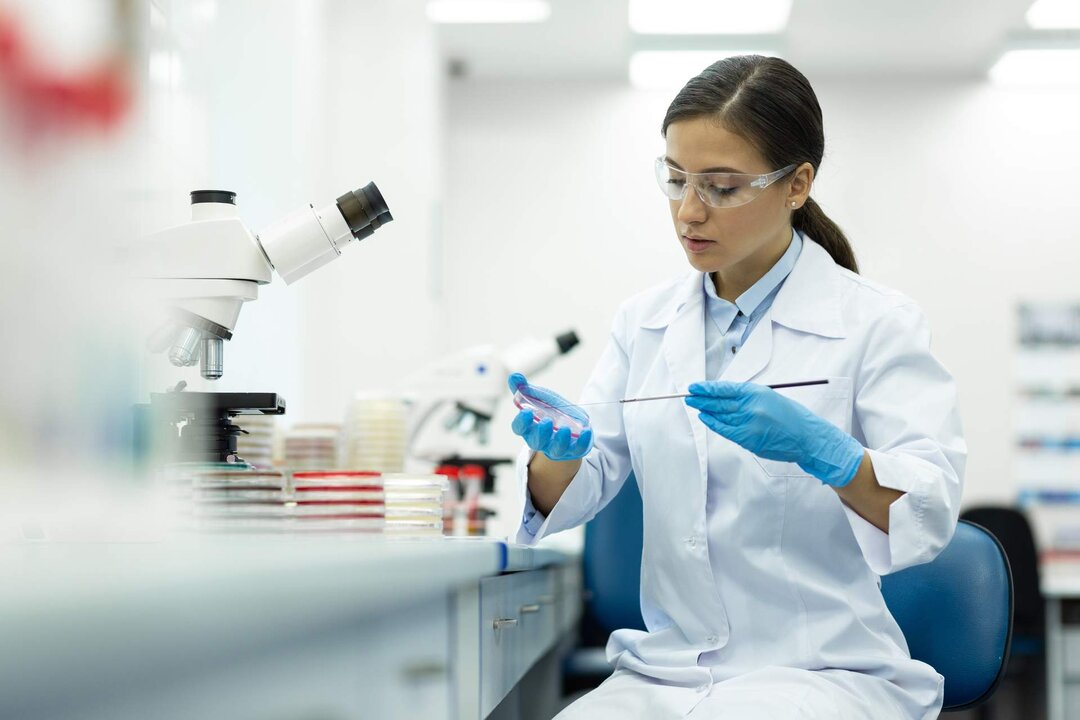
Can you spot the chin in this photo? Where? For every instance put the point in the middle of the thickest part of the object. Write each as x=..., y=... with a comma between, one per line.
x=703, y=263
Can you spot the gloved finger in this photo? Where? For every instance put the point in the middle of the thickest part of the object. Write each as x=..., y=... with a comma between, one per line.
x=540, y=435
x=715, y=405
x=717, y=425
x=515, y=381
x=718, y=389
x=582, y=445
x=522, y=422
x=560, y=443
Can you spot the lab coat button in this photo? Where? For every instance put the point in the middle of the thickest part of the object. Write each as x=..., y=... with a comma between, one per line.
x=713, y=639
x=691, y=542
x=703, y=688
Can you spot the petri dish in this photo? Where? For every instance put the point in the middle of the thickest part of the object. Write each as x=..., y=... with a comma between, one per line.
x=546, y=404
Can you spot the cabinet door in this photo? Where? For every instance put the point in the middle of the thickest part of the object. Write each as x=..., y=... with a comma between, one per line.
x=500, y=638
x=389, y=666
x=535, y=600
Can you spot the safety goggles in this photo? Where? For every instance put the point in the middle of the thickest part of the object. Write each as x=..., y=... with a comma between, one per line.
x=720, y=190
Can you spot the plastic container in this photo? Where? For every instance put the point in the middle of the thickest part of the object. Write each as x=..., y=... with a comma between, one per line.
x=545, y=404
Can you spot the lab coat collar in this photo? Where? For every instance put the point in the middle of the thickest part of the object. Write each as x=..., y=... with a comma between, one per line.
x=809, y=300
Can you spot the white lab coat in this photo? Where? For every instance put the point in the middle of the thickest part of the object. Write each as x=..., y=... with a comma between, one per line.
x=797, y=586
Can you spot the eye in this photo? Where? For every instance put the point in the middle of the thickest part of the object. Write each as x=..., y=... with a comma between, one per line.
x=722, y=191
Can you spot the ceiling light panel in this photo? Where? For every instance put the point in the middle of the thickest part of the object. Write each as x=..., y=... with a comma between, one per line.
x=488, y=11
x=1054, y=14
x=709, y=17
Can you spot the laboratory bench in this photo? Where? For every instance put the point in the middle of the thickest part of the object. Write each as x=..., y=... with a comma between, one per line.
x=284, y=628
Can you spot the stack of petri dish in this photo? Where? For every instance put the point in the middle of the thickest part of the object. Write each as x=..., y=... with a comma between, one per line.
x=414, y=503
x=400, y=505
x=230, y=497
x=375, y=433
x=312, y=446
x=256, y=444
x=339, y=500
x=221, y=497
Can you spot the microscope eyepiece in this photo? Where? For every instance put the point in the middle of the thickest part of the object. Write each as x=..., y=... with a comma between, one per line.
x=567, y=341
x=364, y=210
x=213, y=196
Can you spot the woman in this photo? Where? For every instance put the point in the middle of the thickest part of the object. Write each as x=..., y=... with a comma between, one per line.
x=768, y=514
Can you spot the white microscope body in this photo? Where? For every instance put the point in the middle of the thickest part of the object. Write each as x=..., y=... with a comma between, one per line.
x=203, y=271
x=466, y=389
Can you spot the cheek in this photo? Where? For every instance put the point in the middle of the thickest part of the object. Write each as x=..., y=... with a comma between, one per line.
x=746, y=224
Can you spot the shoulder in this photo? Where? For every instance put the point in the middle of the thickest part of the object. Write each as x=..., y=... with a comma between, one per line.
x=654, y=305
x=865, y=301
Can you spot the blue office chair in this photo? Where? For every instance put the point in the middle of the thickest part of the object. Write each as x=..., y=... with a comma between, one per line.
x=956, y=612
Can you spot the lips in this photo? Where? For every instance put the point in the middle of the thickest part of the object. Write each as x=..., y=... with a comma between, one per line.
x=696, y=244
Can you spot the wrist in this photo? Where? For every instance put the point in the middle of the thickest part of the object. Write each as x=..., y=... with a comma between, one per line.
x=836, y=460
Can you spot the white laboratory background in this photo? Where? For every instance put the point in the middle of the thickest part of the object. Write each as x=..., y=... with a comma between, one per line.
x=952, y=188
x=516, y=158
x=955, y=190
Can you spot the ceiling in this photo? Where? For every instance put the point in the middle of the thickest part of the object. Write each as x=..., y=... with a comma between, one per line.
x=590, y=39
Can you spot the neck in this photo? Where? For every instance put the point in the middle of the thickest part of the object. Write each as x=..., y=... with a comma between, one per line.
x=732, y=282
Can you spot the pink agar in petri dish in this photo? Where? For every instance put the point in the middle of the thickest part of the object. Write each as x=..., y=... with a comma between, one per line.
x=546, y=404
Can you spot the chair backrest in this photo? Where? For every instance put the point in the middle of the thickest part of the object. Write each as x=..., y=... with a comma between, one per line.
x=1010, y=526
x=612, y=566
x=956, y=613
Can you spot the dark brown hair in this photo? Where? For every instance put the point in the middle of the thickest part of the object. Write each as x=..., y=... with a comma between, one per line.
x=771, y=104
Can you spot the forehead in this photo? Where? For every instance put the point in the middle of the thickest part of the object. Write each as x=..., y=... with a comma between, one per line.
x=701, y=143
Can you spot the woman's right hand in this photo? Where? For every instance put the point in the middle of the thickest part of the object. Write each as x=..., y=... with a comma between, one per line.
x=554, y=442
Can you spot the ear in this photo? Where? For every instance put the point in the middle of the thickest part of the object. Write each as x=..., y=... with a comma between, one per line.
x=802, y=178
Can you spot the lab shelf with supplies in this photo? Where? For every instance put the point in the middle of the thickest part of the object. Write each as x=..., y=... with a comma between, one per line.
x=1061, y=588
x=281, y=628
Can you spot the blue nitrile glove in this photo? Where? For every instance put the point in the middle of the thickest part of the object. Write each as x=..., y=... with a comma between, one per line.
x=777, y=428
x=543, y=436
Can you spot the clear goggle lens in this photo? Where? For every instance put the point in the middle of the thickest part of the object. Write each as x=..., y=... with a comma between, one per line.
x=721, y=190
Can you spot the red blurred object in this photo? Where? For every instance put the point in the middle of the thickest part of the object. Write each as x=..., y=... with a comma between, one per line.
x=43, y=99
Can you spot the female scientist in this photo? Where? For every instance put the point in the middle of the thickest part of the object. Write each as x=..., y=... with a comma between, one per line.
x=768, y=514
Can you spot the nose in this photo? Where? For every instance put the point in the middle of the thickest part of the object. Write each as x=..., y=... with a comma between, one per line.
x=692, y=209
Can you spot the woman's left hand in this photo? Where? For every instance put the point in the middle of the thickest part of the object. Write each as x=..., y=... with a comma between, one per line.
x=777, y=428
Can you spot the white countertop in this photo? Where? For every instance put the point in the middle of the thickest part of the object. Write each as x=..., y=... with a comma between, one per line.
x=1060, y=578
x=104, y=612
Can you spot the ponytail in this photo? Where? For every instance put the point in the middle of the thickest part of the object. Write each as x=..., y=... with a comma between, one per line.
x=813, y=221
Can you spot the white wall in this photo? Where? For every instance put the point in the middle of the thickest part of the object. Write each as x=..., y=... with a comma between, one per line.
x=287, y=103
x=373, y=315
x=961, y=195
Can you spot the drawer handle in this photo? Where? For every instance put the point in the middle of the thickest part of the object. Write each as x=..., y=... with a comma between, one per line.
x=546, y=599
x=529, y=609
x=501, y=623
x=421, y=670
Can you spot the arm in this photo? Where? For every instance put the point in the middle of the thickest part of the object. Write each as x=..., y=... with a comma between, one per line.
x=899, y=473
x=867, y=497
x=548, y=480
x=558, y=495
x=906, y=416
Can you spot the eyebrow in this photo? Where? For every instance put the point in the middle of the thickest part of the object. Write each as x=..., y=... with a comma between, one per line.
x=706, y=170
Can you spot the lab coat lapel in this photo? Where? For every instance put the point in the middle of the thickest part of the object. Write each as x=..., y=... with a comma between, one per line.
x=755, y=353
x=684, y=352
